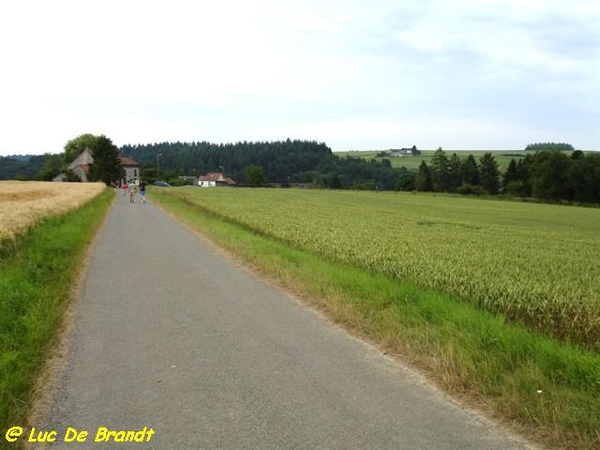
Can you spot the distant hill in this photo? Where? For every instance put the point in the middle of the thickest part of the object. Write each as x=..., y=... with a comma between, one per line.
x=503, y=157
x=20, y=166
x=20, y=157
x=289, y=161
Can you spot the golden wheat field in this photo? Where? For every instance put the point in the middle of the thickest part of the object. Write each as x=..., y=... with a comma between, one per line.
x=22, y=203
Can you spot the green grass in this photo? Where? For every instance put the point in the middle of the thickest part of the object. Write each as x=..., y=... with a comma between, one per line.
x=37, y=270
x=502, y=157
x=499, y=366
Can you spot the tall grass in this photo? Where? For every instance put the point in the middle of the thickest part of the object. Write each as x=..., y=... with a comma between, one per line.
x=37, y=269
x=545, y=388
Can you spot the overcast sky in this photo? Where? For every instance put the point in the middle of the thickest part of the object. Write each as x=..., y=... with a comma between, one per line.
x=354, y=74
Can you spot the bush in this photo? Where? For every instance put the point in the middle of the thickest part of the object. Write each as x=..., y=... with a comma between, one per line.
x=469, y=189
x=177, y=182
x=72, y=177
x=515, y=188
x=406, y=182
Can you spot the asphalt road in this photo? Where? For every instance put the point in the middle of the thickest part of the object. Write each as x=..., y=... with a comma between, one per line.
x=170, y=335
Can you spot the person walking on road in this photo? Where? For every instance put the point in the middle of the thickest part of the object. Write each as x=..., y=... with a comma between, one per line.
x=131, y=192
x=143, y=191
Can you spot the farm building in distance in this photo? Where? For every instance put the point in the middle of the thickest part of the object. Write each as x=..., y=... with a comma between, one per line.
x=214, y=179
x=81, y=167
x=132, y=168
x=400, y=152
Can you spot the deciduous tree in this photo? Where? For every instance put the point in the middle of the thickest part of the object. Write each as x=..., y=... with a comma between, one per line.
x=584, y=177
x=75, y=146
x=53, y=164
x=335, y=182
x=549, y=175
x=255, y=176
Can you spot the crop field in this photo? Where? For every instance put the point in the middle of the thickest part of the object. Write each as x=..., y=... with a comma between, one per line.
x=22, y=203
x=533, y=263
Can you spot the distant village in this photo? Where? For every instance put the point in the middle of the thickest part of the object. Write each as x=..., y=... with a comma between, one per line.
x=80, y=166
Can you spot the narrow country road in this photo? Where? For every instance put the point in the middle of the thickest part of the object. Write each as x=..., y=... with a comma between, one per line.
x=170, y=335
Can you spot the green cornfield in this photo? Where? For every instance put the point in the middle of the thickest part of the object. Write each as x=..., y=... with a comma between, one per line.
x=532, y=263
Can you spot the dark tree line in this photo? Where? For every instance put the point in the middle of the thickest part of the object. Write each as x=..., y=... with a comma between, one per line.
x=558, y=146
x=455, y=175
x=283, y=162
x=550, y=175
x=22, y=167
x=555, y=176
x=279, y=160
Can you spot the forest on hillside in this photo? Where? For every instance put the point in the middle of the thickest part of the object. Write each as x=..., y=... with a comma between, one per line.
x=21, y=167
x=282, y=162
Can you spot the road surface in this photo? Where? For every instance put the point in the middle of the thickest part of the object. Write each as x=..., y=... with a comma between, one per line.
x=170, y=335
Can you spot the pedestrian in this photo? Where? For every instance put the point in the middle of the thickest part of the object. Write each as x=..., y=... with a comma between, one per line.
x=131, y=192
x=143, y=191
x=124, y=186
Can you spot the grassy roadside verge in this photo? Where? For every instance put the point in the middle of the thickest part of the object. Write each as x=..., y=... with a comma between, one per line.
x=37, y=270
x=542, y=388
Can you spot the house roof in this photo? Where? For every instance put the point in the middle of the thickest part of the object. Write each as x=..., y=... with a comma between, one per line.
x=217, y=177
x=84, y=159
x=212, y=176
x=127, y=161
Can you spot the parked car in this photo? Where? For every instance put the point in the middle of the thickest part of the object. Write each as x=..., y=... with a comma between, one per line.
x=161, y=184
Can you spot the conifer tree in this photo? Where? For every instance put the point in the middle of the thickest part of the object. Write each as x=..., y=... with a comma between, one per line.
x=107, y=162
x=470, y=171
x=440, y=173
x=489, y=173
x=423, y=181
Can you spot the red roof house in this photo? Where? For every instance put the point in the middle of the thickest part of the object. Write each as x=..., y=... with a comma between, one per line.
x=214, y=179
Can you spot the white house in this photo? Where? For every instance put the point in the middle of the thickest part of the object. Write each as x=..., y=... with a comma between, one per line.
x=400, y=152
x=132, y=168
x=214, y=179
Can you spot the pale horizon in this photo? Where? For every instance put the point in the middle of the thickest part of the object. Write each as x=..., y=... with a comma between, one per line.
x=469, y=75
